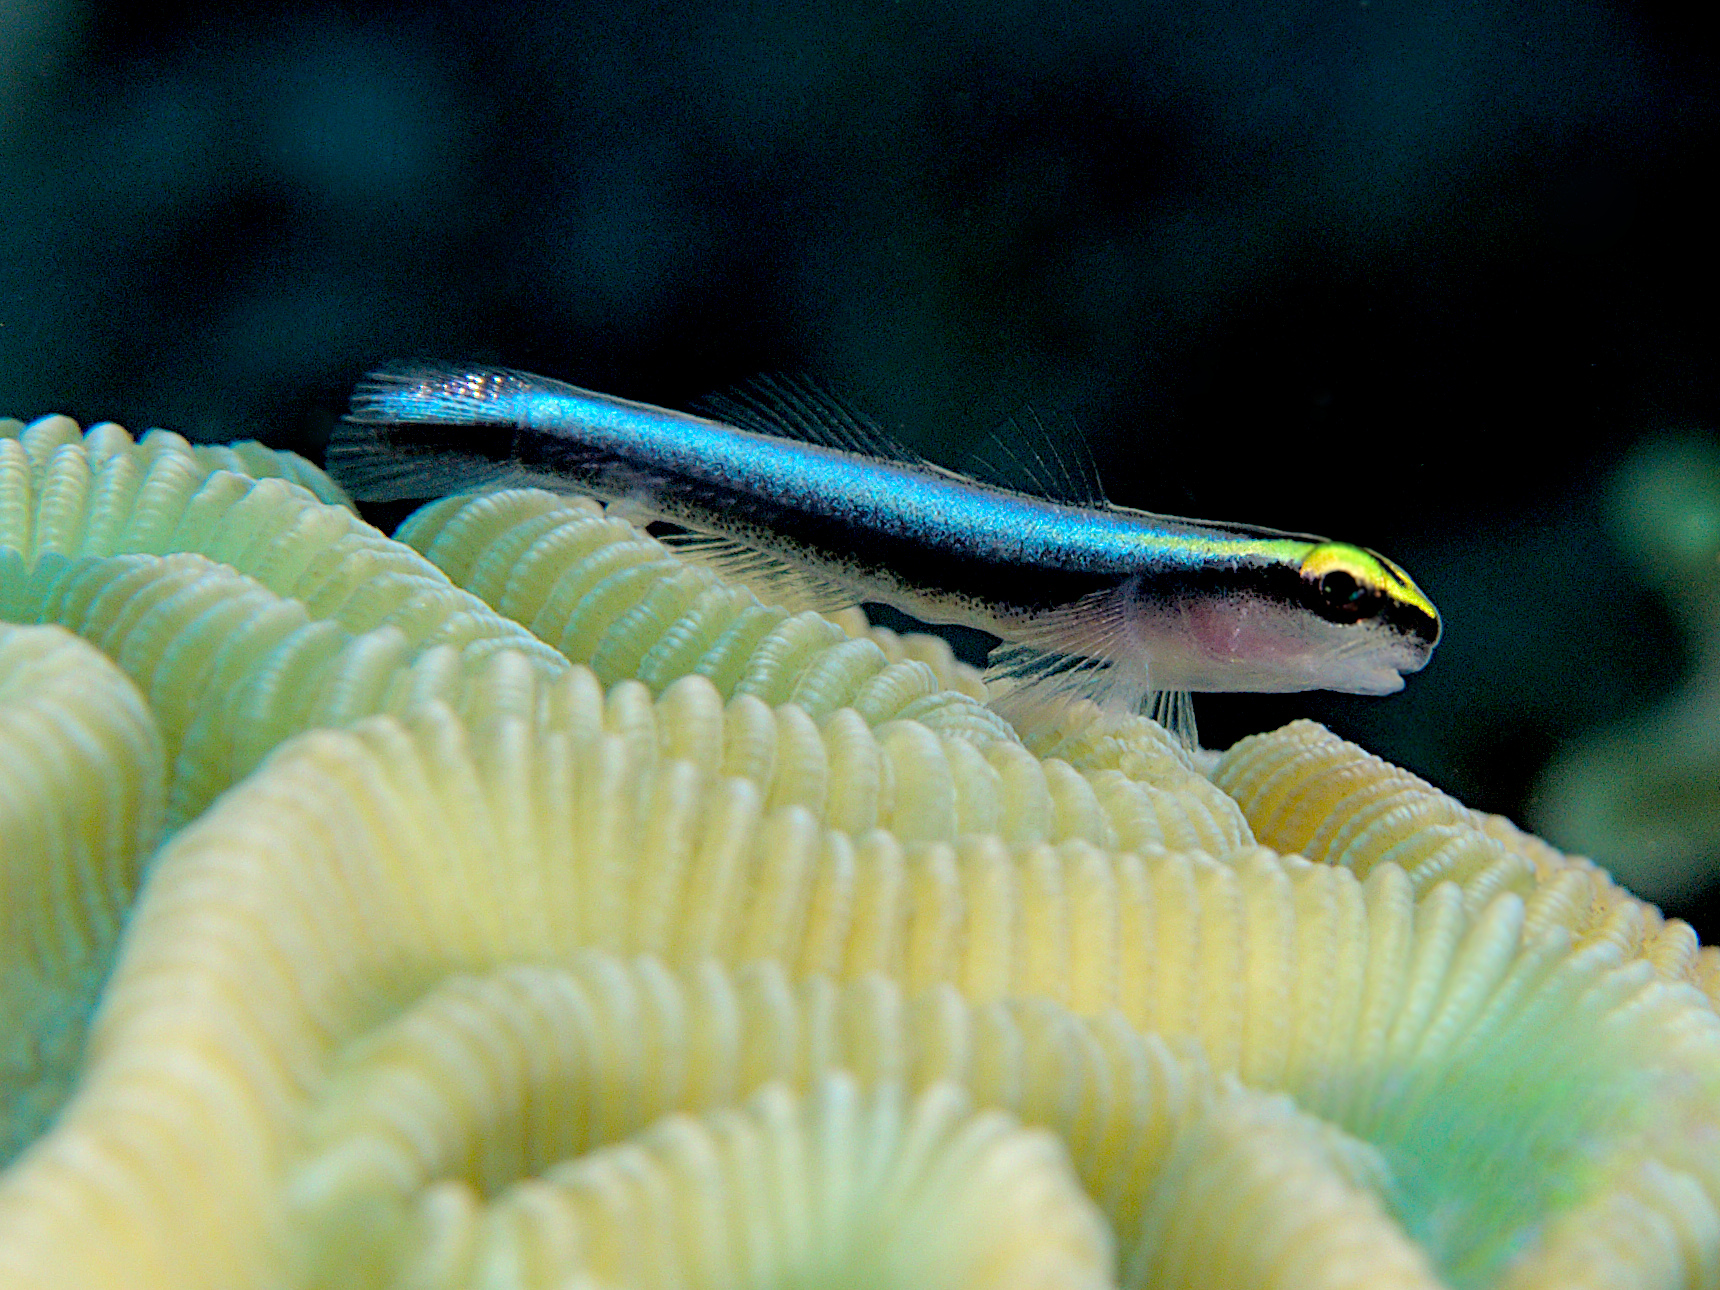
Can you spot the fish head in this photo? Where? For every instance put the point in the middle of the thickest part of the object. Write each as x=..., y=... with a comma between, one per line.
x=1330, y=617
x=1375, y=624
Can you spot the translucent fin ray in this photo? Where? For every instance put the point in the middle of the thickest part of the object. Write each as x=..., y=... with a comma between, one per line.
x=1031, y=684
x=1038, y=672
x=373, y=470
x=773, y=578
x=1022, y=454
x=394, y=443
x=795, y=407
x=1174, y=710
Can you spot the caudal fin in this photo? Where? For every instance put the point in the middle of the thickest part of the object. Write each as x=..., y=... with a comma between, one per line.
x=427, y=431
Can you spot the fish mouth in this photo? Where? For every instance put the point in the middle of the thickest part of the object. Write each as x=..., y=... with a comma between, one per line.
x=1378, y=669
x=1383, y=680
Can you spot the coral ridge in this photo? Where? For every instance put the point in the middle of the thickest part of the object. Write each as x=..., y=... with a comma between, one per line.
x=511, y=903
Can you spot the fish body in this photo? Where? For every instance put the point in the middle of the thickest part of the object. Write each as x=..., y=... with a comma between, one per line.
x=1091, y=599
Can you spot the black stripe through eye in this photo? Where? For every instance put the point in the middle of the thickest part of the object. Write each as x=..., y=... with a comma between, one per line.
x=1339, y=597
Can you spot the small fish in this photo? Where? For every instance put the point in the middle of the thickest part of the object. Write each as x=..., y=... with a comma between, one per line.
x=797, y=496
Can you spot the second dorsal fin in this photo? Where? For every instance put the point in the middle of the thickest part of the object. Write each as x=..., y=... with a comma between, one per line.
x=796, y=407
x=1023, y=454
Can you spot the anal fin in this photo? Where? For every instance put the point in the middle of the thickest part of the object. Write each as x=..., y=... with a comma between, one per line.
x=773, y=578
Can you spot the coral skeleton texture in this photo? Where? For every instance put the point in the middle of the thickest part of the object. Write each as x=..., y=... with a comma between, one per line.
x=515, y=904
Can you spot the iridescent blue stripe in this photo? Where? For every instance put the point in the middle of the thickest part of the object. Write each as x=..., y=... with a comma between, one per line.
x=893, y=499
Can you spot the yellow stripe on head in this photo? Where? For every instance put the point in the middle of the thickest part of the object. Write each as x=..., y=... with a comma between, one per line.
x=1352, y=583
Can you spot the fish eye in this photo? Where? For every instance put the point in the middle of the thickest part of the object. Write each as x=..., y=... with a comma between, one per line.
x=1343, y=584
x=1341, y=597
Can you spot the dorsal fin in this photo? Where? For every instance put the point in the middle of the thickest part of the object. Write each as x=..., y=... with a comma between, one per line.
x=796, y=407
x=1023, y=454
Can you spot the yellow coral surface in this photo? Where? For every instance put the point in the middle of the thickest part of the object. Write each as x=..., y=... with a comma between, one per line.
x=536, y=908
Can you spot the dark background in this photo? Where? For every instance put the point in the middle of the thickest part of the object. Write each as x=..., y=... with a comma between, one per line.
x=1412, y=273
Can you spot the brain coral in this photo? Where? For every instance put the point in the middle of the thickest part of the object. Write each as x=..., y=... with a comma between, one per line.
x=535, y=909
